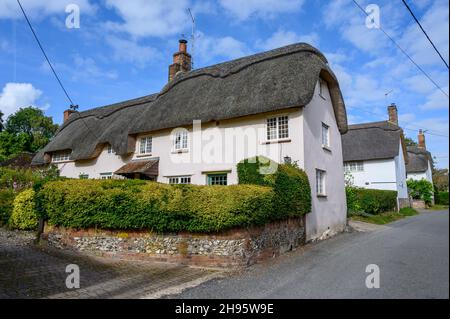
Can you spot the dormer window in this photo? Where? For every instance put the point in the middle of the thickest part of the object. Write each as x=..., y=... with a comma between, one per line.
x=145, y=145
x=180, y=140
x=109, y=149
x=61, y=156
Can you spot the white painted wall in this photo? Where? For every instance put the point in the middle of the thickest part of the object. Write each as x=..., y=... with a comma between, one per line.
x=400, y=169
x=384, y=174
x=329, y=214
x=427, y=175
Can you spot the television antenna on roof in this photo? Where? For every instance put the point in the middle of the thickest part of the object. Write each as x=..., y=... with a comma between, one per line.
x=192, y=37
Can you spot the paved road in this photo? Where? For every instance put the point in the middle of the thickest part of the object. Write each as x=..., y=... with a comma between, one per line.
x=29, y=271
x=412, y=254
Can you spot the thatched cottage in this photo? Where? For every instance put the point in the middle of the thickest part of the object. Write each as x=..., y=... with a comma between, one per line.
x=284, y=104
x=375, y=156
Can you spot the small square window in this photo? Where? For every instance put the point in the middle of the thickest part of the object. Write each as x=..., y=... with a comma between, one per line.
x=277, y=128
x=110, y=149
x=145, y=145
x=320, y=182
x=106, y=175
x=180, y=141
x=217, y=179
x=322, y=88
x=84, y=176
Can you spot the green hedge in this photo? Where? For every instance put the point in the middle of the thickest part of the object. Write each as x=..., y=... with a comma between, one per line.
x=441, y=198
x=370, y=201
x=290, y=184
x=24, y=214
x=125, y=204
x=6, y=205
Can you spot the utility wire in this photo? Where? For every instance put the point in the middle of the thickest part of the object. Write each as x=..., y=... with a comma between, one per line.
x=45, y=55
x=403, y=51
x=424, y=32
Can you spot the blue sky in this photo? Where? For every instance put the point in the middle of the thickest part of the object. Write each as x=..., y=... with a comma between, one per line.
x=123, y=48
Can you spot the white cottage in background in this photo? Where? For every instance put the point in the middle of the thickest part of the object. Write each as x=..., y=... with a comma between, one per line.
x=420, y=164
x=284, y=104
x=375, y=156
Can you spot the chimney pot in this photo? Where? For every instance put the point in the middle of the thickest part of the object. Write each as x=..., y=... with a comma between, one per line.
x=181, y=60
x=67, y=114
x=393, y=114
x=421, y=140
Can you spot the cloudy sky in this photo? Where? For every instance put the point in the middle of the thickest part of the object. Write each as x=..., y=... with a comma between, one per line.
x=122, y=50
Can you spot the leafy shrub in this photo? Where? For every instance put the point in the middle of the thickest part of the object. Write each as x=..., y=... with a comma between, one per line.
x=24, y=216
x=420, y=189
x=441, y=198
x=370, y=201
x=129, y=204
x=6, y=205
x=290, y=184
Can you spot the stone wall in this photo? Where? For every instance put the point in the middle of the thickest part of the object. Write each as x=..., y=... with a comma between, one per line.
x=418, y=204
x=236, y=247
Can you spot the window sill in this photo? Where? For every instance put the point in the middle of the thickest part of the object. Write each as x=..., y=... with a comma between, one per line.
x=284, y=140
x=61, y=162
x=323, y=97
x=326, y=148
x=144, y=155
x=185, y=150
x=321, y=195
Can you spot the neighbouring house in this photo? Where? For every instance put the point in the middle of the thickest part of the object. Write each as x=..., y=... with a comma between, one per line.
x=420, y=162
x=21, y=160
x=375, y=156
x=284, y=104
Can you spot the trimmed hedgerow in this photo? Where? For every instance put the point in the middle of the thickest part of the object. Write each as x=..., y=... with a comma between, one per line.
x=24, y=215
x=370, y=201
x=159, y=207
x=290, y=184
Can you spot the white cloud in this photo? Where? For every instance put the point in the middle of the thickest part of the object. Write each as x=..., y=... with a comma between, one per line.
x=436, y=100
x=131, y=52
x=282, y=38
x=142, y=18
x=41, y=8
x=210, y=48
x=17, y=95
x=261, y=8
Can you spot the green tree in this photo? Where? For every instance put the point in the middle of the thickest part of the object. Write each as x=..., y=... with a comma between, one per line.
x=410, y=142
x=35, y=124
x=420, y=189
x=27, y=130
x=440, y=179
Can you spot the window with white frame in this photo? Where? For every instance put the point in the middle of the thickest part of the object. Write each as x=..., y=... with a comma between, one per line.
x=320, y=182
x=278, y=128
x=357, y=166
x=106, y=175
x=84, y=176
x=110, y=149
x=322, y=87
x=61, y=156
x=180, y=140
x=180, y=180
x=145, y=145
x=325, y=135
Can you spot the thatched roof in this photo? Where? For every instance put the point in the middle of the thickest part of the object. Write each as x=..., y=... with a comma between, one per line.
x=269, y=81
x=21, y=160
x=370, y=141
x=418, y=159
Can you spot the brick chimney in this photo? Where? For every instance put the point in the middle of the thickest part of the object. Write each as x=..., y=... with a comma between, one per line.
x=181, y=60
x=393, y=114
x=67, y=114
x=421, y=140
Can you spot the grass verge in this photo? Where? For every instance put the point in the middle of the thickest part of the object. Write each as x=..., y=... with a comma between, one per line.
x=438, y=207
x=385, y=218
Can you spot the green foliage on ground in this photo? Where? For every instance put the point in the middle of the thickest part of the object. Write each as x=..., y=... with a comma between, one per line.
x=370, y=201
x=24, y=216
x=420, y=189
x=386, y=217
